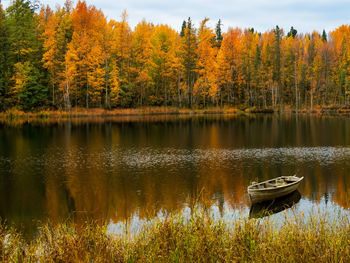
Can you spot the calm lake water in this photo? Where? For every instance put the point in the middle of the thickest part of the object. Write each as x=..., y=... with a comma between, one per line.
x=124, y=168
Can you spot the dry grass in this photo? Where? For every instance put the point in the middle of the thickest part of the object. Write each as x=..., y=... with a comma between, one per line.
x=327, y=110
x=179, y=238
x=18, y=115
x=97, y=112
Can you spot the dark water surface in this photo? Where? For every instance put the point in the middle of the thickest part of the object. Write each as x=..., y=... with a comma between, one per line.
x=115, y=169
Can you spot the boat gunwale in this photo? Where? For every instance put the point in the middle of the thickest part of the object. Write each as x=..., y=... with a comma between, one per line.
x=275, y=187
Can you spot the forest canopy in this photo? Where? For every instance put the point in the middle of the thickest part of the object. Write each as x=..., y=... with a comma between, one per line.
x=74, y=56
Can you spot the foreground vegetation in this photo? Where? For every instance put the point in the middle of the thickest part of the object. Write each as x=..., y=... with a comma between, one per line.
x=74, y=56
x=195, y=238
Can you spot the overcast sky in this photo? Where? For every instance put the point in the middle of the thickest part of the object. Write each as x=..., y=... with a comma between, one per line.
x=304, y=15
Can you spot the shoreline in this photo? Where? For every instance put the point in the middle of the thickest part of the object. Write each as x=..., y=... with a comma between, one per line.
x=15, y=114
x=168, y=111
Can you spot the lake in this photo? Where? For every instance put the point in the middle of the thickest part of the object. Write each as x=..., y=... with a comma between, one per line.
x=121, y=168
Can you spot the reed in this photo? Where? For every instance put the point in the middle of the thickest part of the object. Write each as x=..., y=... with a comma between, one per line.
x=98, y=112
x=198, y=237
x=15, y=114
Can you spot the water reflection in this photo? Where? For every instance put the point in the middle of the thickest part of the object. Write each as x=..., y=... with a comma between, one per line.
x=115, y=169
x=267, y=208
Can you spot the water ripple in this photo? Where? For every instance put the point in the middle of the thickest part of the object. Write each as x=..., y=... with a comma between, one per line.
x=170, y=157
x=148, y=157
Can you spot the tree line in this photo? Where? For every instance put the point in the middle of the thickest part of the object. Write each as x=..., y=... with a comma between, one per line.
x=76, y=57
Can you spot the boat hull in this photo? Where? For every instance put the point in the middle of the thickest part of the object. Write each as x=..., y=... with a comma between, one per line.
x=258, y=195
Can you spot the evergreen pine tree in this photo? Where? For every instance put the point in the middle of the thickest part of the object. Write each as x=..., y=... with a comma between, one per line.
x=293, y=32
x=25, y=56
x=324, y=36
x=3, y=59
x=28, y=91
x=218, y=33
x=183, y=27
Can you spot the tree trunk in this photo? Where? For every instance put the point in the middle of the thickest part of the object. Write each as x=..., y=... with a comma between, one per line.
x=107, y=104
x=66, y=95
x=53, y=94
x=141, y=95
x=178, y=89
x=87, y=92
x=273, y=95
x=296, y=85
x=311, y=99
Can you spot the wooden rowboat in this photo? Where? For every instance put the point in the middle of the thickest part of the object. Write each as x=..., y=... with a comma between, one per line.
x=273, y=188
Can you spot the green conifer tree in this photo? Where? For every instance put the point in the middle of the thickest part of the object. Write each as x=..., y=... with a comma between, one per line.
x=25, y=55
x=324, y=36
x=3, y=59
x=183, y=27
x=293, y=32
x=218, y=33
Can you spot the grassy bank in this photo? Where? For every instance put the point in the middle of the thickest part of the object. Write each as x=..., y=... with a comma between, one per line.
x=16, y=117
x=197, y=238
x=81, y=112
x=97, y=112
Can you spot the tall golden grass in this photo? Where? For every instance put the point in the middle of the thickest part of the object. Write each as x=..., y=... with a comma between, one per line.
x=182, y=238
x=81, y=112
x=18, y=115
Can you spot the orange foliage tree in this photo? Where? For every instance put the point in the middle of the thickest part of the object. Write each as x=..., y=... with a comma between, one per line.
x=74, y=56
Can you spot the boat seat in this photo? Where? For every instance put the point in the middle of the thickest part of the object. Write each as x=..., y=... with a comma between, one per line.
x=271, y=185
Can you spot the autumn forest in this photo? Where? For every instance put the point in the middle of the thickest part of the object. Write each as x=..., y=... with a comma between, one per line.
x=74, y=56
